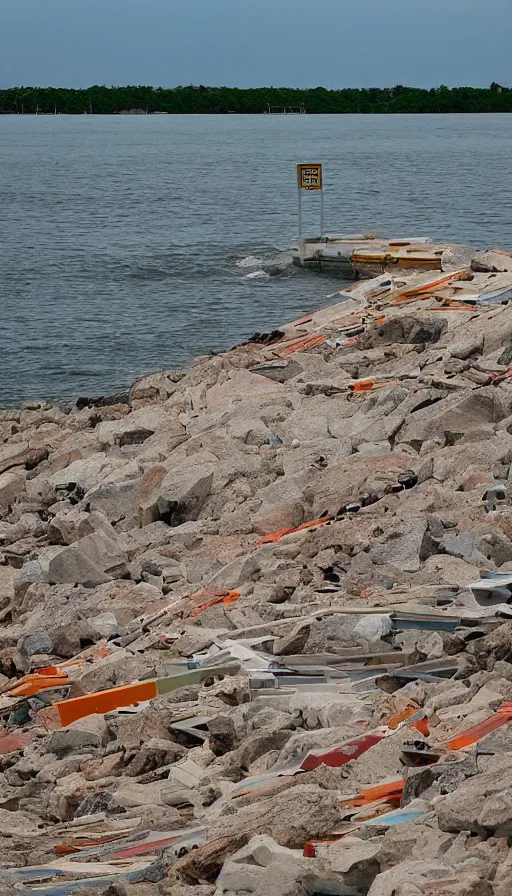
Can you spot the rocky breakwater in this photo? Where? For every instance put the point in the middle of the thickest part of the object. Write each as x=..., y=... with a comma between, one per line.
x=239, y=653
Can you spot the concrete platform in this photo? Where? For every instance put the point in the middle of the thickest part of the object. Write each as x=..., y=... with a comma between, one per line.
x=362, y=256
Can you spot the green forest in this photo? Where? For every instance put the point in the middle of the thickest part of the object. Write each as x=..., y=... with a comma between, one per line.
x=224, y=100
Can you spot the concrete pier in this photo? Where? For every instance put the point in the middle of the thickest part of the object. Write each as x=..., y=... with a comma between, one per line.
x=361, y=256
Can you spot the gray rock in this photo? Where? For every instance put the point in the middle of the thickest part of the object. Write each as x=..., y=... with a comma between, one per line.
x=101, y=801
x=491, y=261
x=222, y=735
x=182, y=494
x=302, y=813
x=155, y=753
x=78, y=738
x=463, y=546
x=73, y=523
x=74, y=567
x=92, y=560
x=412, y=329
x=481, y=804
x=294, y=642
x=35, y=643
x=458, y=412
x=414, y=873
x=288, y=877
x=446, y=776
x=403, y=546
x=356, y=860
x=278, y=371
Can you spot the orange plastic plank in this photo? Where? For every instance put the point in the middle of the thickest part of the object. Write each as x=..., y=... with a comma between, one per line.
x=381, y=791
x=302, y=320
x=145, y=846
x=65, y=849
x=302, y=343
x=473, y=735
x=229, y=598
x=33, y=684
x=390, y=793
x=274, y=537
x=362, y=385
x=424, y=290
x=105, y=701
x=439, y=281
x=421, y=725
x=210, y=593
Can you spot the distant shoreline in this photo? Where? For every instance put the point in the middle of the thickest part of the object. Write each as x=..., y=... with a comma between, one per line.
x=191, y=100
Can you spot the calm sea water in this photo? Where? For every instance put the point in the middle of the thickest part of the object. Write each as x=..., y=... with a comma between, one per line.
x=124, y=241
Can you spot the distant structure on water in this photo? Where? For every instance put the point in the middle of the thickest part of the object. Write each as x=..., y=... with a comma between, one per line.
x=286, y=110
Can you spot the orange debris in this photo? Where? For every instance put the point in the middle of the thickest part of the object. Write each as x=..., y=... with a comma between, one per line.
x=274, y=537
x=303, y=342
x=105, y=701
x=225, y=597
x=472, y=735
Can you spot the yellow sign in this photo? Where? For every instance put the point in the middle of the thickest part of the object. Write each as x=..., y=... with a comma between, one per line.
x=309, y=177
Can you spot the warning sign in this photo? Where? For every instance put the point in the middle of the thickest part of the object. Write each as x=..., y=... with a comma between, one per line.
x=309, y=177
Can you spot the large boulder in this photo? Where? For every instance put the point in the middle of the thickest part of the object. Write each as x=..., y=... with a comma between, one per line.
x=90, y=561
x=86, y=473
x=72, y=523
x=263, y=864
x=120, y=667
x=481, y=804
x=61, y=619
x=403, y=545
x=153, y=722
x=138, y=426
x=21, y=454
x=81, y=737
x=12, y=484
x=155, y=387
x=459, y=412
x=145, y=495
x=239, y=386
x=346, y=481
x=182, y=493
x=304, y=812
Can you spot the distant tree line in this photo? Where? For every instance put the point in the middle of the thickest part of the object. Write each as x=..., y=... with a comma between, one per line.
x=197, y=100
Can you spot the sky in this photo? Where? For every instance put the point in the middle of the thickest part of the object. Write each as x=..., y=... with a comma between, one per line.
x=250, y=43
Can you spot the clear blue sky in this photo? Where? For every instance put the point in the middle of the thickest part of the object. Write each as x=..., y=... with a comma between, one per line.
x=247, y=43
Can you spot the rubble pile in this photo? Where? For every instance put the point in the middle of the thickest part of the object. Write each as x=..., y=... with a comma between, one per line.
x=256, y=616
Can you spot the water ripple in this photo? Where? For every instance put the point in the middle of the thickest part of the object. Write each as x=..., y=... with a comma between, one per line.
x=123, y=239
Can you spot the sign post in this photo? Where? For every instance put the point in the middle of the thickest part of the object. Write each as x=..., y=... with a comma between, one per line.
x=309, y=177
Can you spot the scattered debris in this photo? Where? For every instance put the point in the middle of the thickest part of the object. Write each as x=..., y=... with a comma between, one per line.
x=256, y=629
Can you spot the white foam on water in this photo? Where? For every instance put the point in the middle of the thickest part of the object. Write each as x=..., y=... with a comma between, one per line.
x=249, y=262
x=257, y=275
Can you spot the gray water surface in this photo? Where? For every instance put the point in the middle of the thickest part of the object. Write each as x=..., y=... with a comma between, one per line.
x=124, y=240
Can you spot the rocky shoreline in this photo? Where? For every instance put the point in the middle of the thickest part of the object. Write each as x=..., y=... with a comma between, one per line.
x=239, y=650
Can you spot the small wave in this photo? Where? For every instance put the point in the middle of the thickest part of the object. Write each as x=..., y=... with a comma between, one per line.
x=248, y=262
x=257, y=275
x=275, y=270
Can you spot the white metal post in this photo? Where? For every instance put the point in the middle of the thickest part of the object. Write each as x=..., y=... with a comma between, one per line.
x=302, y=243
